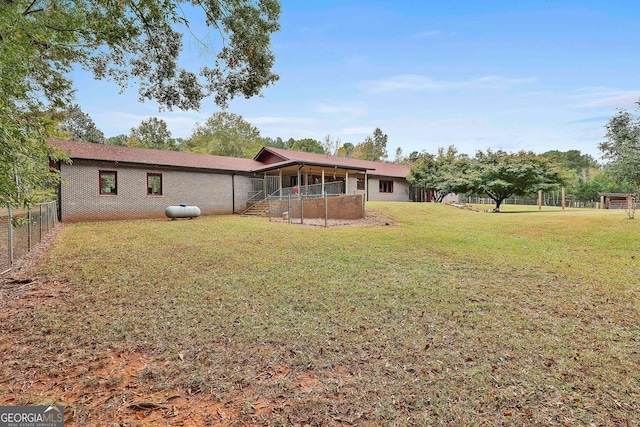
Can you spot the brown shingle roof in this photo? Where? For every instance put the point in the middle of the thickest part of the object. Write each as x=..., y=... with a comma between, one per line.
x=374, y=168
x=114, y=153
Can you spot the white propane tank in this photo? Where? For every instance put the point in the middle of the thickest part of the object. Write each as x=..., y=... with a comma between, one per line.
x=182, y=211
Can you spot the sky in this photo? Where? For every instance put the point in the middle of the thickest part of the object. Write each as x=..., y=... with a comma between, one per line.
x=513, y=75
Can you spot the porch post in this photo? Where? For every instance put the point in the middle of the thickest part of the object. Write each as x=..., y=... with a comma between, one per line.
x=346, y=182
x=280, y=173
x=366, y=185
x=322, y=180
x=264, y=185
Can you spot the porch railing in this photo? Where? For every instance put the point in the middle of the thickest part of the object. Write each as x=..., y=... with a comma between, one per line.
x=333, y=188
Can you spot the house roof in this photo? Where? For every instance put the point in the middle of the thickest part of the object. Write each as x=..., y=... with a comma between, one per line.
x=114, y=153
x=268, y=158
x=374, y=168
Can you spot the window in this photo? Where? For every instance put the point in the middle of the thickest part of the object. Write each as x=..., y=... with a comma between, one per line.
x=360, y=183
x=386, y=186
x=109, y=182
x=154, y=184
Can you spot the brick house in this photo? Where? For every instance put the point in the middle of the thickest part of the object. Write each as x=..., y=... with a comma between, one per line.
x=106, y=182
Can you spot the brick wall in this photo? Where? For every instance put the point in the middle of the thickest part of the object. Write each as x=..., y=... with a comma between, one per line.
x=338, y=207
x=81, y=199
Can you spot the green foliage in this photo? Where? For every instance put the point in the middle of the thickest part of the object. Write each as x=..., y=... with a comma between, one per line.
x=373, y=148
x=81, y=127
x=601, y=182
x=117, y=140
x=572, y=159
x=225, y=134
x=125, y=41
x=134, y=41
x=501, y=175
x=346, y=150
x=24, y=159
x=442, y=174
x=152, y=133
x=308, y=145
x=622, y=149
x=276, y=143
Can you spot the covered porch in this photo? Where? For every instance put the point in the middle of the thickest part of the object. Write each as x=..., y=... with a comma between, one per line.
x=307, y=179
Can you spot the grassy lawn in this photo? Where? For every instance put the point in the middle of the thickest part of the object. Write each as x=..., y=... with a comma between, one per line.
x=452, y=317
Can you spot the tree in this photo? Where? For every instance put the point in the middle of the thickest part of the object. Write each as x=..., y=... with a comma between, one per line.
x=572, y=159
x=621, y=150
x=307, y=144
x=442, y=174
x=276, y=143
x=373, y=148
x=24, y=163
x=225, y=134
x=81, y=127
x=331, y=146
x=125, y=41
x=346, y=150
x=152, y=133
x=117, y=140
x=501, y=175
x=601, y=182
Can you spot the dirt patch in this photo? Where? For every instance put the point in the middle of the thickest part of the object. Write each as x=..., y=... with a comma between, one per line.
x=371, y=218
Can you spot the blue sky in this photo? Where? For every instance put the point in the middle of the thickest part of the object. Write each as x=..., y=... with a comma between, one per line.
x=514, y=75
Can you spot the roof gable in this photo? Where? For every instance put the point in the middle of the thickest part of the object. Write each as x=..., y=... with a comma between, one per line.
x=374, y=168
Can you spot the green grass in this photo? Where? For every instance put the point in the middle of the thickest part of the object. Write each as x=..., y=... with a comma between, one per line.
x=453, y=317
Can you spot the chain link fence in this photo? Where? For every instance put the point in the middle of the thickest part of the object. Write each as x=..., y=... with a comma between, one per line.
x=21, y=230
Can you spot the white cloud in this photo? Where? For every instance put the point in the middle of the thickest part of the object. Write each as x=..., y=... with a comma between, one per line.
x=413, y=82
x=338, y=109
x=427, y=34
x=617, y=99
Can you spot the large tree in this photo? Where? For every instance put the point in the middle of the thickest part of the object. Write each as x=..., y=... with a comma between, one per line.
x=443, y=174
x=621, y=150
x=500, y=175
x=225, y=134
x=152, y=133
x=81, y=127
x=374, y=147
x=127, y=41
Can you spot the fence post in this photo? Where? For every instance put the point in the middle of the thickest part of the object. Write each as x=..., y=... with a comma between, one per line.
x=40, y=223
x=269, y=207
x=10, y=234
x=29, y=229
x=301, y=210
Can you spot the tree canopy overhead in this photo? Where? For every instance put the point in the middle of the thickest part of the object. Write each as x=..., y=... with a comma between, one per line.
x=134, y=41
x=130, y=42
